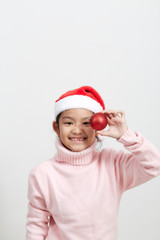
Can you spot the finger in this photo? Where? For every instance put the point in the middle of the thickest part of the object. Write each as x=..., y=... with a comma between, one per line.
x=121, y=113
x=110, y=113
x=103, y=133
x=114, y=113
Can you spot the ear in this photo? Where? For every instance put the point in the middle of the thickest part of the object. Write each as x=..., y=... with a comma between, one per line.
x=56, y=128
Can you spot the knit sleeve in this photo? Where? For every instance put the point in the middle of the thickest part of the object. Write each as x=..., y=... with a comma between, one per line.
x=38, y=216
x=138, y=166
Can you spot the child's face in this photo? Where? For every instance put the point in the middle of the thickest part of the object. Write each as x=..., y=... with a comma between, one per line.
x=74, y=129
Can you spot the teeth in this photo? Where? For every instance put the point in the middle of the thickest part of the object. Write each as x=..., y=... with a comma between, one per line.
x=77, y=139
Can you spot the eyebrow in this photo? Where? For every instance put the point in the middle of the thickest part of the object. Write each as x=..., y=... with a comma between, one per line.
x=87, y=118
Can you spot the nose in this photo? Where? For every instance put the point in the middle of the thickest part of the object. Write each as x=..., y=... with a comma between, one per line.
x=77, y=129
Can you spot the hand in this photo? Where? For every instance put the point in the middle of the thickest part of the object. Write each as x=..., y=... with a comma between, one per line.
x=116, y=122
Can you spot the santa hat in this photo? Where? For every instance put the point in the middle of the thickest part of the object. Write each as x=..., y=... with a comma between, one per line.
x=83, y=97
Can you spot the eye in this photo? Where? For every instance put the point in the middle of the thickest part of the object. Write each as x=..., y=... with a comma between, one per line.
x=68, y=123
x=86, y=123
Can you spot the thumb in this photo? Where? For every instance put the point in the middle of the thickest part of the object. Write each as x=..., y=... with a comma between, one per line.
x=104, y=133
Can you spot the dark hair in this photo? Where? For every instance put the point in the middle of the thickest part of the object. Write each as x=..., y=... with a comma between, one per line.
x=57, y=118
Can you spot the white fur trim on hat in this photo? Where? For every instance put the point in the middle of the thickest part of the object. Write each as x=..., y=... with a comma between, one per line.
x=77, y=101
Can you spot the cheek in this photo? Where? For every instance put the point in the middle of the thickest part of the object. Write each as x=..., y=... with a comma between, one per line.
x=63, y=131
x=92, y=132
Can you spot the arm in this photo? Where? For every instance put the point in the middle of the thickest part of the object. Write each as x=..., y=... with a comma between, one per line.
x=138, y=166
x=143, y=161
x=38, y=216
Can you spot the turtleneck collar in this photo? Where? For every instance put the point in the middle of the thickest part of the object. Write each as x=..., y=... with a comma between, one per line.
x=69, y=157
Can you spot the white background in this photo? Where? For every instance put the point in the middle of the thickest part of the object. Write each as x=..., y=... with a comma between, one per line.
x=49, y=47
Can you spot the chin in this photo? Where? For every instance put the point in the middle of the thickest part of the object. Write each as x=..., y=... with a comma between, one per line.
x=77, y=148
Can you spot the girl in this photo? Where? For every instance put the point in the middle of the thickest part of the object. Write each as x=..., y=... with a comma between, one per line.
x=76, y=194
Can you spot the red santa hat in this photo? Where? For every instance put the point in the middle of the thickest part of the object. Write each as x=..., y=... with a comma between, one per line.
x=83, y=97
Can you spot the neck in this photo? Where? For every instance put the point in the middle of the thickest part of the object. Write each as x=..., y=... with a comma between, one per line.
x=69, y=157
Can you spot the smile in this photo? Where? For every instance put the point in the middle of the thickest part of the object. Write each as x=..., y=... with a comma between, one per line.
x=77, y=139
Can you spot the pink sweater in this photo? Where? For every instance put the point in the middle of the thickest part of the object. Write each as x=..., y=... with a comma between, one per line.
x=76, y=195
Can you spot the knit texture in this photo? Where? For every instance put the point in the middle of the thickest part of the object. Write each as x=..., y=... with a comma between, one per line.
x=79, y=194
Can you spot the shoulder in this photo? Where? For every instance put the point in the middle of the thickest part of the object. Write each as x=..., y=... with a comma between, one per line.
x=108, y=153
x=111, y=155
x=41, y=168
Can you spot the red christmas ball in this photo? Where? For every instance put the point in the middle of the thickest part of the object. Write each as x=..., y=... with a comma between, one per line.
x=98, y=121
